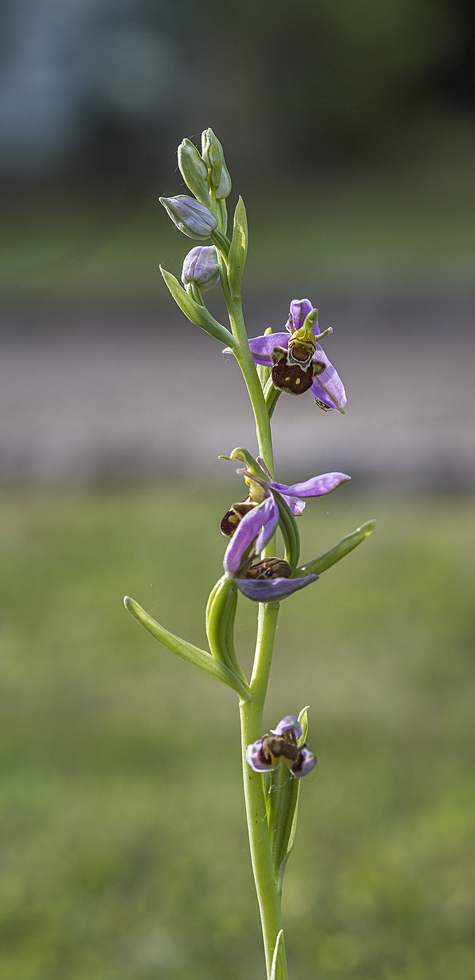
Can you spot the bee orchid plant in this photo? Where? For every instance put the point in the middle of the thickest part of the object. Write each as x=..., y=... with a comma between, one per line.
x=291, y=362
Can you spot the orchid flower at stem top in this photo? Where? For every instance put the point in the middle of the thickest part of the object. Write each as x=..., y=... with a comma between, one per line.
x=298, y=361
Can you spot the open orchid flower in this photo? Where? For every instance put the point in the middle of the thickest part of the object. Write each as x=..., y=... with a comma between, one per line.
x=281, y=745
x=298, y=361
x=317, y=486
x=267, y=580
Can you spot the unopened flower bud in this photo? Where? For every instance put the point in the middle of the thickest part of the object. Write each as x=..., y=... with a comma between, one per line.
x=201, y=266
x=194, y=171
x=213, y=156
x=190, y=217
x=224, y=187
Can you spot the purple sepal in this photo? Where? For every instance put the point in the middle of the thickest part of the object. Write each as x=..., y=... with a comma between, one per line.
x=315, y=487
x=256, y=759
x=299, y=310
x=288, y=724
x=328, y=383
x=262, y=347
x=305, y=763
x=266, y=517
x=272, y=590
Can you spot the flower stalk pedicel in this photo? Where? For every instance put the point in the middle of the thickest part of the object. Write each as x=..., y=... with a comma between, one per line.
x=291, y=362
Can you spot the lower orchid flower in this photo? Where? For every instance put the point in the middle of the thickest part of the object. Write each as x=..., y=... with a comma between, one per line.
x=267, y=580
x=317, y=486
x=281, y=745
x=298, y=361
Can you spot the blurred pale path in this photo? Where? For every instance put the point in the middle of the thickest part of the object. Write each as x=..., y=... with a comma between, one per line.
x=121, y=400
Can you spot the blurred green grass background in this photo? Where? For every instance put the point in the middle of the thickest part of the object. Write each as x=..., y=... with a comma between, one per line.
x=122, y=824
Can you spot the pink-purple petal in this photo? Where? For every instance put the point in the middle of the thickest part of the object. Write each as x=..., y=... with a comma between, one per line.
x=262, y=347
x=272, y=590
x=315, y=487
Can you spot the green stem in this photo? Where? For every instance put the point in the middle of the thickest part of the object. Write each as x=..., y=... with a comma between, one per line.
x=252, y=711
x=251, y=727
x=248, y=368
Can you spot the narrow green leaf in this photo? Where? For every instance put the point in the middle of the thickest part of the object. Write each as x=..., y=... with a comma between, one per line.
x=263, y=373
x=238, y=249
x=220, y=616
x=194, y=292
x=278, y=970
x=282, y=798
x=221, y=212
x=197, y=313
x=187, y=651
x=339, y=550
x=303, y=719
x=290, y=841
x=221, y=241
x=271, y=395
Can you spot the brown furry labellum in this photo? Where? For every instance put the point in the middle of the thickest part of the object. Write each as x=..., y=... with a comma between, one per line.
x=270, y=568
x=294, y=370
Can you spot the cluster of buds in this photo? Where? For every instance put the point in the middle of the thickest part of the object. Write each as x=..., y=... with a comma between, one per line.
x=295, y=359
x=207, y=177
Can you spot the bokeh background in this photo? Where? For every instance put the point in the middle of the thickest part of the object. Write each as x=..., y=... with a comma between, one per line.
x=349, y=128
